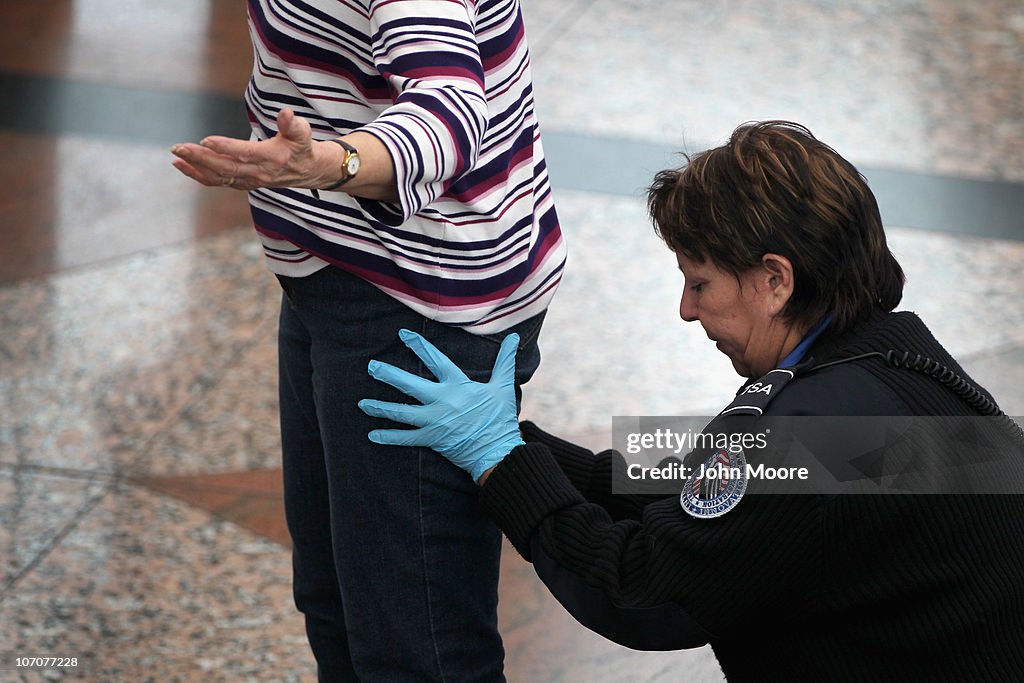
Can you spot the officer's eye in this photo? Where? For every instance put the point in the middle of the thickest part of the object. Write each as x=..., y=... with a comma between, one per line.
x=699, y=287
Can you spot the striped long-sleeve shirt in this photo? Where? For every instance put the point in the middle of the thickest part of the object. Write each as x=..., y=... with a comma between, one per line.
x=474, y=240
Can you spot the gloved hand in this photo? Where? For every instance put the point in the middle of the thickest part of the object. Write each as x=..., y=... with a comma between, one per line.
x=474, y=425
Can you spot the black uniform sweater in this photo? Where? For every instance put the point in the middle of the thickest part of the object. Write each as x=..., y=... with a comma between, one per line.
x=787, y=587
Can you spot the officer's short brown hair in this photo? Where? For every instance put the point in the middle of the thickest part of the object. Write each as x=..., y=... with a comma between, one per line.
x=775, y=188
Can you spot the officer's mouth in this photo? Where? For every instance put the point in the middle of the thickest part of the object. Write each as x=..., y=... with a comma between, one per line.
x=718, y=344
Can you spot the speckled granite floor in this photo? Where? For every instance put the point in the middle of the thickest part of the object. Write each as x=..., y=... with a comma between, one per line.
x=139, y=518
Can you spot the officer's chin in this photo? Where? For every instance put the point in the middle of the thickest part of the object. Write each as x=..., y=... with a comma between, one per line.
x=741, y=368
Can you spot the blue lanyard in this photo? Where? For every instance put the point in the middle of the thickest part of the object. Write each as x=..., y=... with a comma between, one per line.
x=797, y=354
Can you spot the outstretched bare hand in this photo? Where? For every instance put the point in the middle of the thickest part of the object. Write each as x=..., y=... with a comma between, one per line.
x=285, y=160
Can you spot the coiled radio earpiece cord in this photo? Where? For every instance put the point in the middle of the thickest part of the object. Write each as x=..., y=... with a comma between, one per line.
x=948, y=378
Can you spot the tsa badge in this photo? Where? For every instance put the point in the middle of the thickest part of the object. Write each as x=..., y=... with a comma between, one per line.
x=716, y=486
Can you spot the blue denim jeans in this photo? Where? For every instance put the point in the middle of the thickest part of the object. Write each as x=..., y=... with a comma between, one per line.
x=395, y=568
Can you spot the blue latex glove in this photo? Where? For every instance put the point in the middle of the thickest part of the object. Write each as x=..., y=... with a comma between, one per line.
x=474, y=425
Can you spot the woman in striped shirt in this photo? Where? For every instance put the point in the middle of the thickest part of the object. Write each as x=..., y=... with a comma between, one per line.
x=396, y=180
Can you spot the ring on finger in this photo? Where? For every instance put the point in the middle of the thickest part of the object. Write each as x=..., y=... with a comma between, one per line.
x=228, y=182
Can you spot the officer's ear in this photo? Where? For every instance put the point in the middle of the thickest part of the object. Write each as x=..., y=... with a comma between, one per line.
x=777, y=280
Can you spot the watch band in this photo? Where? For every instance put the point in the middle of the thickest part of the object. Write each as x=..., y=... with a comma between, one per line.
x=349, y=151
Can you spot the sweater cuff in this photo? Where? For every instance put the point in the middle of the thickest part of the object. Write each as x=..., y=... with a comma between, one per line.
x=578, y=463
x=523, y=490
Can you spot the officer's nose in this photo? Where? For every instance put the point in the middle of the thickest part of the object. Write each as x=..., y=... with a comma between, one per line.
x=687, y=306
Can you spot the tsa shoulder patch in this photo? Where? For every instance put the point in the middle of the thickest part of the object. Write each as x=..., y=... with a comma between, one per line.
x=717, y=485
x=755, y=396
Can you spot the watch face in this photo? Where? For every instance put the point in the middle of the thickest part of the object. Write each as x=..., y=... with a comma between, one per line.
x=352, y=165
